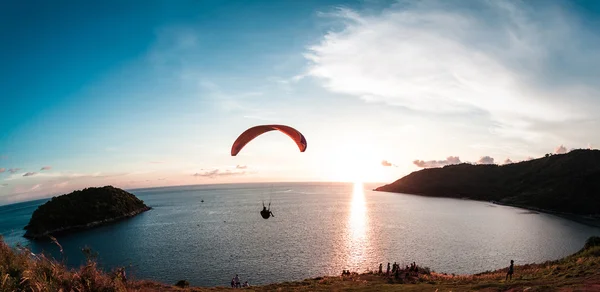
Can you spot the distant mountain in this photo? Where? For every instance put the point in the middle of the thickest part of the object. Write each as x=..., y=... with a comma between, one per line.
x=83, y=209
x=563, y=183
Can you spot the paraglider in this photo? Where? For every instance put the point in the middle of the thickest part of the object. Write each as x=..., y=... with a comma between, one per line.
x=256, y=131
x=266, y=213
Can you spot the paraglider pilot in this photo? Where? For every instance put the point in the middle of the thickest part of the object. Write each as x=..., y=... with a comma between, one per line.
x=266, y=213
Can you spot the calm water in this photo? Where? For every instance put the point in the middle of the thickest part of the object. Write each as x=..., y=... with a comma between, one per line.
x=318, y=229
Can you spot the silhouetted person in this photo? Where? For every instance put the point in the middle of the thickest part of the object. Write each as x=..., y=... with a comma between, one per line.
x=510, y=270
x=237, y=281
x=380, y=268
x=266, y=213
x=388, y=269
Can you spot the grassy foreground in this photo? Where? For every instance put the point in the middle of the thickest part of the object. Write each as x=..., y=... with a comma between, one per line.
x=20, y=270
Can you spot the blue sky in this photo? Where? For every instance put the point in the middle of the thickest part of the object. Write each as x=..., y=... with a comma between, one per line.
x=115, y=92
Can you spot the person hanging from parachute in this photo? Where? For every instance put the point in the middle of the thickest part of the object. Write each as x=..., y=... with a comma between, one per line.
x=266, y=213
x=256, y=131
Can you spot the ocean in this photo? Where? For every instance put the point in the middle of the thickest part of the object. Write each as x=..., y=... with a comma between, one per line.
x=317, y=229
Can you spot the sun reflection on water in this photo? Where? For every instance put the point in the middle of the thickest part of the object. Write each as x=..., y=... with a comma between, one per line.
x=357, y=239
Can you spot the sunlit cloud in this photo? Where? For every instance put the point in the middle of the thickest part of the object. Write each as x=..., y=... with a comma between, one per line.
x=29, y=173
x=2, y=170
x=560, y=150
x=491, y=58
x=486, y=160
x=386, y=163
x=437, y=163
x=46, y=168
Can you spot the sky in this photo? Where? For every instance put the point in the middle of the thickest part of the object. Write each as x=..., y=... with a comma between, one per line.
x=150, y=94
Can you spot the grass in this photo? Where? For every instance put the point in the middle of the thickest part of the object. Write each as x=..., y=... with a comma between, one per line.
x=20, y=270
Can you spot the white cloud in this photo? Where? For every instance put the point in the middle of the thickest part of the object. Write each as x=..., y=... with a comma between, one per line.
x=437, y=163
x=560, y=150
x=433, y=57
x=485, y=160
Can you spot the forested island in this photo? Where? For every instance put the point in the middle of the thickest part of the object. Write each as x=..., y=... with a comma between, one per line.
x=83, y=209
x=559, y=183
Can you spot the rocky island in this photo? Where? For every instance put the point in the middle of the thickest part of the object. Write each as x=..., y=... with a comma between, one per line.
x=83, y=209
x=567, y=184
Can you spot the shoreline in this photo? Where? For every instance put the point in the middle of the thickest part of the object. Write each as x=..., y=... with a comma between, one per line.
x=582, y=219
x=70, y=229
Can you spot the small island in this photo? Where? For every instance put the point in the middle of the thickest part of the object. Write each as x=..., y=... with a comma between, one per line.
x=565, y=184
x=83, y=209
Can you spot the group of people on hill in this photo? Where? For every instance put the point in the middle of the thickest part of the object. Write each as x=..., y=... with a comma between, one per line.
x=235, y=282
x=396, y=269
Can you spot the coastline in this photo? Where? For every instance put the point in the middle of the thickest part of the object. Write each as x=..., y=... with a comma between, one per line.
x=582, y=219
x=69, y=229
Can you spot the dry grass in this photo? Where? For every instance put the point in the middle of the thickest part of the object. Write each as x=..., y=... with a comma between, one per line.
x=20, y=270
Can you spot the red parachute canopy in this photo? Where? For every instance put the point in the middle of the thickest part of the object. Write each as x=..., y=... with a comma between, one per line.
x=256, y=131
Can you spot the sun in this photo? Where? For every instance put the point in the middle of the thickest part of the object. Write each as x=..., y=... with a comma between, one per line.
x=354, y=163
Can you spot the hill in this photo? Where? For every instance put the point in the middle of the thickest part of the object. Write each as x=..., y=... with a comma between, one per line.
x=83, y=209
x=563, y=183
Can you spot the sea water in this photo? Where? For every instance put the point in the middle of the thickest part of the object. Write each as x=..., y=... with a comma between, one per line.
x=318, y=229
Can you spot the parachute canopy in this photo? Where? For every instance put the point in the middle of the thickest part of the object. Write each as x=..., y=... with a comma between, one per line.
x=256, y=131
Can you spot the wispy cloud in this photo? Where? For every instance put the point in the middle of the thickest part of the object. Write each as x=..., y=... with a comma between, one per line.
x=46, y=168
x=499, y=57
x=241, y=166
x=218, y=173
x=3, y=185
x=30, y=174
x=2, y=170
x=437, y=163
x=259, y=118
x=61, y=184
x=13, y=170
